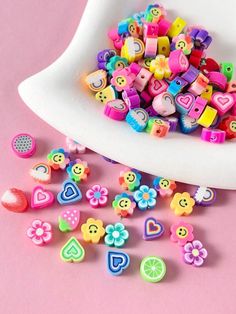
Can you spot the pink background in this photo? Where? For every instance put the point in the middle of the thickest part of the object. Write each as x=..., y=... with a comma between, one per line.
x=34, y=280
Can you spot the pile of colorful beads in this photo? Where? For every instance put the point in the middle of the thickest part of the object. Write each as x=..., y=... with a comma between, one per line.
x=136, y=195
x=159, y=77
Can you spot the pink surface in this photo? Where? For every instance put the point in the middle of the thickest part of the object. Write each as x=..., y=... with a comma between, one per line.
x=34, y=280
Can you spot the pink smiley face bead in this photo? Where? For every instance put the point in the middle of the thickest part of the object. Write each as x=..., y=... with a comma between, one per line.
x=40, y=232
x=213, y=136
x=122, y=79
x=23, y=145
x=58, y=159
x=97, y=196
x=181, y=233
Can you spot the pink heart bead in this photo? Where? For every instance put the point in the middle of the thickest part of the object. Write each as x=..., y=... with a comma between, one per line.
x=223, y=102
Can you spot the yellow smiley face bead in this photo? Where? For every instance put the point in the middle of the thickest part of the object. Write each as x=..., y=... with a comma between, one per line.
x=78, y=170
x=182, y=204
x=93, y=230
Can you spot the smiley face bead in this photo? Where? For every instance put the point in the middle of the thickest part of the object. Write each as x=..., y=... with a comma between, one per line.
x=181, y=233
x=58, y=159
x=129, y=179
x=124, y=205
x=164, y=187
x=92, y=230
x=229, y=126
x=183, y=42
x=78, y=170
x=107, y=94
x=116, y=63
x=182, y=204
x=121, y=79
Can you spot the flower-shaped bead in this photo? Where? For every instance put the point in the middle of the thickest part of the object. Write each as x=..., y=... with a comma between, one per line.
x=194, y=253
x=124, y=204
x=121, y=79
x=97, y=196
x=40, y=232
x=200, y=37
x=160, y=67
x=58, y=159
x=154, y=12
x=116, y=63
x=145, y=197
x=183, y=42
x=78, y=170
x=75, y=147
x=182, y=204
x=164, y=187
x=181, y=233
x=130, y=179
x=116, y=236
x=92, y=230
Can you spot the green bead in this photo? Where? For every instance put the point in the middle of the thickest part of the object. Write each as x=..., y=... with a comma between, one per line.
x=227, y=68
x=151, y=121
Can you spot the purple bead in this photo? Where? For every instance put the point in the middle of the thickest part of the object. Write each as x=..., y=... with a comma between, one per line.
x=173, y=122
x=110, y=160
x=194, y=33
x=102, y=65
x=204, y=196
x=207, y=42
x=131, y=98
x=151, y=112
x=201, y=35
x=191, y=74
x=103, y=56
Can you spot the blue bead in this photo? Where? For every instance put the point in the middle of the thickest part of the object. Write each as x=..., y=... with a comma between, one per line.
x=69, y=194
x=117, y=262
x=177, y=85
x=187, y=124
x=137, y=119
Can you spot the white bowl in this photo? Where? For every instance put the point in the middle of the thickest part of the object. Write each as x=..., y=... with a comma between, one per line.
x=58, y=95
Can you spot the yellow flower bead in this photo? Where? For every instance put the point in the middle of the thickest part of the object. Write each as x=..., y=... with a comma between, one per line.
x=160, y=67
x=93, y=230
x=182, y=204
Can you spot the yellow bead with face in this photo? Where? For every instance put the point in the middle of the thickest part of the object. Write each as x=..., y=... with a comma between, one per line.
x=92, y=230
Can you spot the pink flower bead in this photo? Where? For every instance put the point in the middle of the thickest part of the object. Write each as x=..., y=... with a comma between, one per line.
x=97, y=196
x=181, y=233
x=195, y=253
x=40, y=232
x=122, y=79
x=75, y=147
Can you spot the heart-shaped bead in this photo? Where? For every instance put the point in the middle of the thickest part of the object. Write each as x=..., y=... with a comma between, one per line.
x=117, y=262
x=14, y=200
x=152, y=229
x=41, y=198
x=70, y=193
x=72, y=251
x=184, y=102
x=223, y=102
x=156, y=87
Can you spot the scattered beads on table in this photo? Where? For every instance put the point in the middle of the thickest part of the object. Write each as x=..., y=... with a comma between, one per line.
x=78, y=170
x=129, y=179
x=152, y=269
x=41, y=172
x=124, y=205
x=40, y=232
x=182, y=204
x=69, y=194
x=152, y=229
x=145, y=197
x=41, y=198
x=58, y=159
x=23, y=145
x=14, y=200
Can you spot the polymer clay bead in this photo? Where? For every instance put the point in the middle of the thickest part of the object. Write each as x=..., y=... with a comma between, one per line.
x=107, y=94
x=69, y=194
x=176, y=27
x=199, y=85
x=164, y=26
x=217, y=80
x=139, y=49
x=187, y=124
x=128, y=50
x=152, y=269
x=213, y=135
x=160, y=67
x=68, y=220
x=182, y=204
x=104, y=56
x=150, y=30
x=78, y=170
x=116, y=63
x=116, y=38
x=177, y=85
x=137, y=119
x=194, y=253
x=23, y=145
x=150, y=48
x=231, y=87
x=164, y=104
x=124, y=204
x=14, y=200
x=204, y=196
x=223, y=102
x=178, y=62
x=97, y=80
x=209, y=65
x=129, y=179
x=72, y=251
x=160, y=130
x=117, y=262
x=131, y=98
x=97, y=196
x=41, y=172
x=40, y=232
x=184, y=102
x=116, y=109
x=196, y=58
x=201, y=38
x=151, y=122
x=153, y=13
x=191, y=74
x=142, y=79
x=181, y=233
x=163, y=186
x=146, y=98
x=93, y=230
x=173, y=122
x=207, y=93
x=41, y=198
x=163, y=46
x=122, y=79
x=227, y=68
x=183, y=42
x=156, y=87
x=58, y=159
x=197, y=108
x=229, y=126
x=152, y=229
x=208, y=116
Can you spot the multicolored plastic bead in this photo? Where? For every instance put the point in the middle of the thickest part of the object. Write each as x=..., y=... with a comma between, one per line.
x=181, y=233
x=207, y=94
x=117, y=262
x=23, y=145
x=199, y=85
x=160, y=67
x=194, y=253
x=142, y=79
x=129, y=179
x=208, y=116
x=178, y=62
x=107, y=94
x=204, y=196
x=69, y=194
x=217, y=80
x=152, y=229
x=227, y=68
x=124, y=205
x=176, y=27
x=197, y=108
x=229, y=126
x=184, y=102
x=103, y=58
x=191, y=74
x=121, y=79
x=223, y=102
x=72, y=251
x=152, y=269
x=97, y=196
x=213, y=135
x=164, y=187
x=116, y=63
x=92, y=230
x=183, y=42
x=116, y=235
x=156, y=87
x=201, y=38
x=163, y=46
x=116, y=109
x=78, y=170
x=131, y=98
x=58, y=159
x=145, y=197
x=187, y=124
x=137, y=119
x=177, y=85
x=182, y=204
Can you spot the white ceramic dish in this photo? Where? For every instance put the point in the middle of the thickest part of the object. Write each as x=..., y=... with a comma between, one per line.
x=58, y=96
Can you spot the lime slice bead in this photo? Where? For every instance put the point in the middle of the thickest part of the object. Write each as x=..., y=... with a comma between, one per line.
x=152, y=269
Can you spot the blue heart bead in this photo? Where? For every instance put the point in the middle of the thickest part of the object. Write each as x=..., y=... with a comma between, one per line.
x=117, y=262
x=69, y=194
